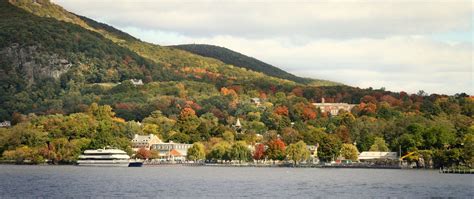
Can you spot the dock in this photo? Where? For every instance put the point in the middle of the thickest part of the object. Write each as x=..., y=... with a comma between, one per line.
x=456, y=171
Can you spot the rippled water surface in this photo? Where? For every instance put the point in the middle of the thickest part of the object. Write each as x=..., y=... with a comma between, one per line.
x=218, y=182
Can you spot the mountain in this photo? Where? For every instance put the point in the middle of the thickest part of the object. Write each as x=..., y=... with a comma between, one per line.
x=47, y=53
x=237, y=59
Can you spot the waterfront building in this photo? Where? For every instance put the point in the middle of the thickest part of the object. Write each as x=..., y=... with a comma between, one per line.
x=5, y=124
x=377, y=155
x=144, y=141
x=333, y=108
x=172, y=151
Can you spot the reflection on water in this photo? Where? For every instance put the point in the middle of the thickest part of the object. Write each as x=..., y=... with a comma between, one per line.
x=72, y=181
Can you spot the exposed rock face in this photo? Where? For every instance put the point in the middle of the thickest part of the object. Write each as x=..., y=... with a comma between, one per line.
x=33, y=64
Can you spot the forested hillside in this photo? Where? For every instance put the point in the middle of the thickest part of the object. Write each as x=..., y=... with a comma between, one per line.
x=237, y=59
x=65, y=85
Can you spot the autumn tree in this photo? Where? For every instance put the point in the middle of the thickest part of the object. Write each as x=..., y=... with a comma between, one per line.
x=276, y=150
x=297, y=152
x=259, y=153
x=143, y=153
x=188, y=122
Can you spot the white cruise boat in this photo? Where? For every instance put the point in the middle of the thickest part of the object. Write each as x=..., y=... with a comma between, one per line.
x=104, y=157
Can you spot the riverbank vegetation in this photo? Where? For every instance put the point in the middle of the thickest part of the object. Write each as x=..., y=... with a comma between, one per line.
x=65, y=87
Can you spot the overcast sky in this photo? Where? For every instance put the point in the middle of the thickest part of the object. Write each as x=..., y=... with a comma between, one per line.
x=400, y=45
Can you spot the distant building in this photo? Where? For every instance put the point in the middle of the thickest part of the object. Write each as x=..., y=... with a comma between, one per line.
x=313, y=151
x=333, y=108
x=137, y=82
x=144, y=141
x=255, y=101
x=172, y=151
x=5, y=124
x=377, y=155
x=237, y=124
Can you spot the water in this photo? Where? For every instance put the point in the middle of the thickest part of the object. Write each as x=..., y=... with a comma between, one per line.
x=220, y=182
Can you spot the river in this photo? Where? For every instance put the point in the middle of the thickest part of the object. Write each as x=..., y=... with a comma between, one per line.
x=224, y=182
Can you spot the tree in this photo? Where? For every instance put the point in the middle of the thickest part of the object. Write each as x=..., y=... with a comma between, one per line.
x=228, y=136
x=468, y=150
x=276, y=150
x=188, y=122
x=379, y=145
x=259, y=153
x=143, y=153
x=220, y=151
x=240, y=151
x=196, y=152
x=329, y=147
x=349, y=152
x=297, y=152
x=290, y=135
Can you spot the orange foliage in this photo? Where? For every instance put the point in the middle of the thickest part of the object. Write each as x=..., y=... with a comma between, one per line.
x=187, y=112
x=368, y=108
x=281, y=110
x=228, y=91
x=391, y=100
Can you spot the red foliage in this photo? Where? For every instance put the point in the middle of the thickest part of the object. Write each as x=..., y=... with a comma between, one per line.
x=273, y=88
x=276, y=145
x=143, y=153
x=124, y=106
x=391, y=100
x=281, y=110
x=298, y=91
x=369, y=99
x=259, y=153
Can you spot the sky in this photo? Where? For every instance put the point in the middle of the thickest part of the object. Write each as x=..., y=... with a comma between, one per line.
x=399, y=45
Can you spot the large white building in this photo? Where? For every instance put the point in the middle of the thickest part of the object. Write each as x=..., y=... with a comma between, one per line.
x=172, y=151
x=333, y=108
x=144, y=141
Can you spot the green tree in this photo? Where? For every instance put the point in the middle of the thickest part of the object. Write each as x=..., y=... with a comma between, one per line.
x=240, y=151
x=379, y=145
x=220, y=151
x=468, y=150
x=349, y=152
x=196, y=152
x=297, y=152
x=329, y=147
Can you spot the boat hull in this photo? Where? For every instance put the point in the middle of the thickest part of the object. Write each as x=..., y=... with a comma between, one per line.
x=103, y=163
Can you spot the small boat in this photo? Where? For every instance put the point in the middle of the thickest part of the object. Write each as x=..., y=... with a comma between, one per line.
x=104, y=157
x=135, y=164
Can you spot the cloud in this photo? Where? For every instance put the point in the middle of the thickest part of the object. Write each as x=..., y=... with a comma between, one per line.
x=261, y=19
x=399, y=45
x=397, y=63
